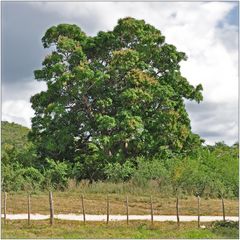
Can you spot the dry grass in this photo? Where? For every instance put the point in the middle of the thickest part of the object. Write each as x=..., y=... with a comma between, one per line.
x=95, y=203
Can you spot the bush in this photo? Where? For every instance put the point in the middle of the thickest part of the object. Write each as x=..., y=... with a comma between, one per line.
x=11, y=179
x=227, y=229
x=150, y=170
x=116, y=172
x=77, y=171
x=225, y=224
x=56, y=175
x=16, y=178
x=33, y=179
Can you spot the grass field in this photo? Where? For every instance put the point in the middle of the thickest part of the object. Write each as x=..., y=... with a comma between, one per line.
x=69, y=201
x=135, y=229
x=95, y=203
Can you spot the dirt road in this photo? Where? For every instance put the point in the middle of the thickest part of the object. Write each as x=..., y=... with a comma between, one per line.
x=159, y=218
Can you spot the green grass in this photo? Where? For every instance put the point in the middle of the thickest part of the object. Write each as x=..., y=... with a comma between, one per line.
x=136, y=229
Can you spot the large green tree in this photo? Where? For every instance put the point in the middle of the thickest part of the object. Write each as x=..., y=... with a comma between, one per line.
x=112, y=97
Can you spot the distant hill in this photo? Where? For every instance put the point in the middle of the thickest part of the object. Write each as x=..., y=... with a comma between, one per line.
x=14, y=134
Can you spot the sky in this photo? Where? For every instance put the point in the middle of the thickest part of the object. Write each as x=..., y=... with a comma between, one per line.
x=206, y=31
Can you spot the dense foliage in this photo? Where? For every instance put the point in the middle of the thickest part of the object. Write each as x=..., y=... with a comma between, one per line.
x=111, y=98
x=22, y=168
x=210, y=171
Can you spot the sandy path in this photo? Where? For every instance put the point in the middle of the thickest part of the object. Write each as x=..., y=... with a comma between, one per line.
x=159, y=218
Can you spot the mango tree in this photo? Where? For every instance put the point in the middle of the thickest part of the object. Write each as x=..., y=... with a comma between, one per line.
x=112, y=97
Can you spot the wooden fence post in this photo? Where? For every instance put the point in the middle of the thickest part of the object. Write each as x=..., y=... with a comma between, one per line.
x=198, y=211
x=177, y=210
x=127, y=209
x=5, y=207
x=107, y=209
x=83, y=210
x=223, y=209
x=151, y=210
x=51, y=208
x=29, y=209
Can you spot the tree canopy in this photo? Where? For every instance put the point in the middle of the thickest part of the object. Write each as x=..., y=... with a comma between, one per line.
x=112, y=97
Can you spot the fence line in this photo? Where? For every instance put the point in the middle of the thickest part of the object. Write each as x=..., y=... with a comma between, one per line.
x=51, y=209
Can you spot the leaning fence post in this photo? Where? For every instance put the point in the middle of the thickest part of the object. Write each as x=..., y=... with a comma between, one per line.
x=83, y=210
x=198, y=211
x=51, y=208
x=127, y=209
x=29, y=209
x=177, y=210
x=151, y=209
x=5, y=207
x=107, y=209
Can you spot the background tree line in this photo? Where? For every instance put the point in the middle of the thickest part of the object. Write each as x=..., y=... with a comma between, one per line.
x=211, y=171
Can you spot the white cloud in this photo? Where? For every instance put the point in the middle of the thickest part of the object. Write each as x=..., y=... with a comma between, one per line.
x=191, y=26
x=22, y=90
x=215, y=121
x=18, y=111
x=16, y=106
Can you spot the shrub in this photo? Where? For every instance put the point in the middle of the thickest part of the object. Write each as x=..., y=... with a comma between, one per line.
x=56, y=175
x=33, y=179
x=150, y=170
x=227, y=229
x=16, y=178
x=225, y=224
x=77, y=172
x=116, y=172
x=11, y=179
